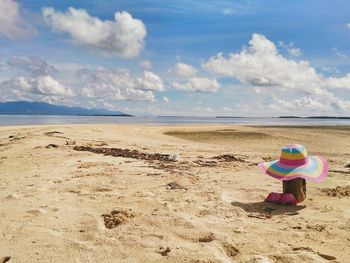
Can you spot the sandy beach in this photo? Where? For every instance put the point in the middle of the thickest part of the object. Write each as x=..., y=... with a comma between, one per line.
x=167, y=194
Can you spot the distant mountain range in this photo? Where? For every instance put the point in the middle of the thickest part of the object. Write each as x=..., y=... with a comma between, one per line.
x=42, y=108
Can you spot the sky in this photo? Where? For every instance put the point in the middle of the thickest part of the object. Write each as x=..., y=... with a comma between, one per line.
x=182, y=58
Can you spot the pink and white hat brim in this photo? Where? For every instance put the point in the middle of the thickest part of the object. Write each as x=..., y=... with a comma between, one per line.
x=315, y=170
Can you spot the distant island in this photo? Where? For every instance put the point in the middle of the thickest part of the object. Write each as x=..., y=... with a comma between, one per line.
x=315, y=117
x=42, y=108
x=291, y=117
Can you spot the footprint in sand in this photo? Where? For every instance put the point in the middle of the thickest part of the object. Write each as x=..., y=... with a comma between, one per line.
x=13, y=196
x=303, y=254
x=37, y=212
x=260, y=259
x=308, y=249
x=208, y=237
x=230, y=249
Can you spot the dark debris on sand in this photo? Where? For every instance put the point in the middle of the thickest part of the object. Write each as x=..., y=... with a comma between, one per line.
x=55, y=134
x=50, y=133
x=116, y=217
x=339, y=191
x=206, y=163
x=207, y=238
x=51, y=145
x=164, y=251
x=317, y=227
x=228, y=158
x=70, y=142
x=4, y=259
x=175, y=185
x=126, y=153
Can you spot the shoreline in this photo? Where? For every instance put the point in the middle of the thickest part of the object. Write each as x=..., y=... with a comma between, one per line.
x=188, y=125
x=178, y=121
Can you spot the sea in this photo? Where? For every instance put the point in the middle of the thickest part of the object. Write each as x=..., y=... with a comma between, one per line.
x=15, y=120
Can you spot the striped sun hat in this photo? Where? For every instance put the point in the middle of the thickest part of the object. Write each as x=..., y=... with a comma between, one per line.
x=294, y=163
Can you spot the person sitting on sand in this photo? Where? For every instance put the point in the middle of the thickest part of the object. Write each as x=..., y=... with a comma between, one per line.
x=294, y=167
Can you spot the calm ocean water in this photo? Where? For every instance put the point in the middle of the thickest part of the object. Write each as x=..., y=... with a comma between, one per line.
x=11, y=120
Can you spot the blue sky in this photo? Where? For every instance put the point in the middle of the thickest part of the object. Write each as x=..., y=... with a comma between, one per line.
x=161, y=57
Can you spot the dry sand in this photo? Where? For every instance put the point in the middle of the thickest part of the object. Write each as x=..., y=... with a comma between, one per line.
x=62, y=205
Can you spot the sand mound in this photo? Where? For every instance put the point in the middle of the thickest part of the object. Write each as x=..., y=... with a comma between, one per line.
x=218, y=135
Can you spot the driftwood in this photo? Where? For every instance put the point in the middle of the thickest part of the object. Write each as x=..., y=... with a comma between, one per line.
x=297, y=187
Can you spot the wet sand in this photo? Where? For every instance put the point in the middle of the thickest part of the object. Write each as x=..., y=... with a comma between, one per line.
x=167, y=194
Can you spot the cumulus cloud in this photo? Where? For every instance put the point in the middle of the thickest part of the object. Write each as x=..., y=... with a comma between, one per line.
x=34, y=65
x=339, y=54
x=123, y=37
x=196, y=84
x=42, y=85
x=150, y=81
x=12, y=24
x=291, y=49
x=183, y=70
x=325, y=104
x=260, y=64
x=302, y=90
x=43, y=88
x=119, y=84
x=39, y=85
x=145, y=64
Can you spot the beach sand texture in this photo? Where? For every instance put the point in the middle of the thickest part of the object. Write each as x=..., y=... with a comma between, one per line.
x=60, y=202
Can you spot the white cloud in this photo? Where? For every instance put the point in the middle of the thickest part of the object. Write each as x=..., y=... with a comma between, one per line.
x=34, y=65
x=348, y=25
x=338, y=82
x=119, y=84
x=323, y=105
x=302, y=90
x=326, y=104
x=291, y=49
x=183, y=70
x=228, y=11
x=202, y=110
x=145, y=64
x=123, y=37
x=260, y=64
x=150, y=81
x=166, y=99
x=40, y=88
x=12, y=24
x=44, y=85
x=339, y=54
x=198, y=85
